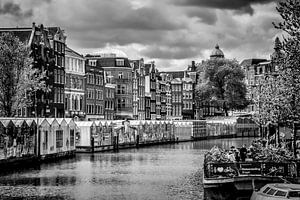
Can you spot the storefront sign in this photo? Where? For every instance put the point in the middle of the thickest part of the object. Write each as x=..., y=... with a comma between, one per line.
x=250, y=168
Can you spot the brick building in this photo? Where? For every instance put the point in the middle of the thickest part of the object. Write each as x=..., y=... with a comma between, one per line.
x=48, y=49
x=117, y=70
x=94, y=92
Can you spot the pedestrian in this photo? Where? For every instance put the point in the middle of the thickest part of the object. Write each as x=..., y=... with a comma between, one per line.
x=236, y=154
x=243, y=153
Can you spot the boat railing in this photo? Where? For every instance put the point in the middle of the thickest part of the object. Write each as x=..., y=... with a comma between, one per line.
x=251, y=168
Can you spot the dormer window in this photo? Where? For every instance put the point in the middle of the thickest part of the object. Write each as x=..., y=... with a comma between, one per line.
x=120, y=62
x=92, y=62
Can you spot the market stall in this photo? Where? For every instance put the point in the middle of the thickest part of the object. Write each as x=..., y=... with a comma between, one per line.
x=86, y=129
x=71, y=129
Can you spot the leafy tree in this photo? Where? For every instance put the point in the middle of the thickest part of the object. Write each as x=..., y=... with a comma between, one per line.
x=221, y=82
x=271, y=101
x=289, y=64
x=18, y=79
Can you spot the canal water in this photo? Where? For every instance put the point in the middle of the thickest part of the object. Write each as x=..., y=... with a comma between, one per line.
x=172, y=171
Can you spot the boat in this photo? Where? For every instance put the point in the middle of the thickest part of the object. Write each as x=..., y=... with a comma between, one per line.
x=220, y=170
x=277, y=191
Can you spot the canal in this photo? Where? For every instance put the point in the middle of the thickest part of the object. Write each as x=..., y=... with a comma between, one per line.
x=158, y=172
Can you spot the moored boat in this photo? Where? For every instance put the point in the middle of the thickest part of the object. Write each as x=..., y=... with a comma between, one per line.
x=265, y=166
x=277, y=191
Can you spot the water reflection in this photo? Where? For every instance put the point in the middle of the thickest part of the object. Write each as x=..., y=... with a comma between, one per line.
x=159, y=172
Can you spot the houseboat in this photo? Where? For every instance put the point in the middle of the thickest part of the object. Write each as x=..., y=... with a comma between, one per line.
x=276, y=166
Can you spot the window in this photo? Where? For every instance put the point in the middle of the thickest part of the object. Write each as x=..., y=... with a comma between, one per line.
x=80, y=83
x=90, y=109
x=55, y=76
x=92, y=62
x=72, y=136
x=271, y=191
x=66, y=103
x=120, y=75
x=80, y=103
x=90, y=93
x=280, y=193
x=120, y=62
x=100, y=80
x=45, y=143
x=62, y=76
x=119, y=103
x=100, y=95
x=59, y=139
x=59, y=60
x=59, y=47
x=55, y=95
x=97, y=80
x=294, y=194
x=90, y=79
x=62, y=95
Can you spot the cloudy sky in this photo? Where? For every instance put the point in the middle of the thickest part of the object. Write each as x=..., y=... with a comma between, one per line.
x=170, y=32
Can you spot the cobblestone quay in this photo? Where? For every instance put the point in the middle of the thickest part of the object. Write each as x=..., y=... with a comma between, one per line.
x=172, y=171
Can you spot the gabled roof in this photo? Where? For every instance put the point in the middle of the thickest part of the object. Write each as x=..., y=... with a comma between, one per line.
x=176, y=81
x=71, y=52
x=23, y=34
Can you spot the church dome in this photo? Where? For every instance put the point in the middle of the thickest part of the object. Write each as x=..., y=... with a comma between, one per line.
x=217, y=52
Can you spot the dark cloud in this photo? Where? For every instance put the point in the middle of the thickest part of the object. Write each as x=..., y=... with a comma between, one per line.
x=162, y=52
x=206, y=16
x=99, y=23
x=158, y=30
x=14, y=10
x=98, y=38
x=145, y=19
x=240, y=6
x=119, y=15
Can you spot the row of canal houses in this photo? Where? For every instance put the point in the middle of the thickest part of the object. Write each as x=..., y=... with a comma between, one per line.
x=102, y=86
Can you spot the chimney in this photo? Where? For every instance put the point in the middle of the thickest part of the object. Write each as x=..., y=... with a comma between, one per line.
x=185, y=74
x=33, y=25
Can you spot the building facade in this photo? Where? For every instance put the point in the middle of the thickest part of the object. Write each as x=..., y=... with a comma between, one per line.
x=117, y=70
x=74, y=85
x=48, y=48
x=109, y=112
x=58, y=41
x=135, y=90
x=94, y=92
x=150, y=86
x=138, y=88
x=176, y=89
x=187, y=98
x=256, y=70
